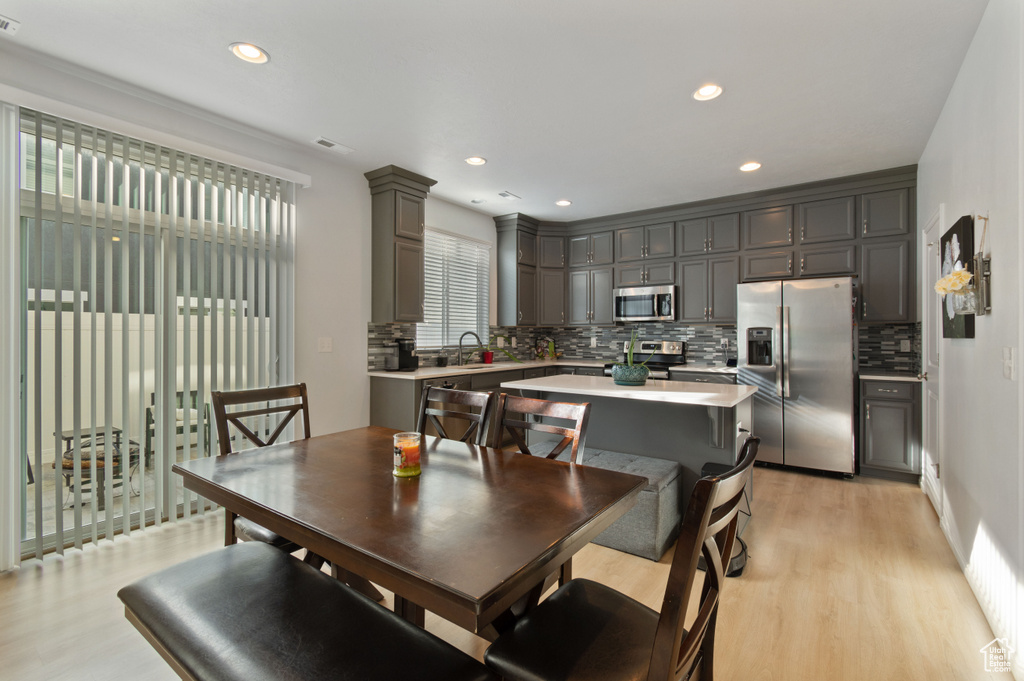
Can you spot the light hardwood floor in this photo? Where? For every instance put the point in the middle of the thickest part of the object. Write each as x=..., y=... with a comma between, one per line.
x=846, y=580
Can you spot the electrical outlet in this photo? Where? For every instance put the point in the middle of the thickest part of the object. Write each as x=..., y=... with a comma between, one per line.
x=513, y=341
x=325, y=344
x=501, y=342
x=593, y=341
x=904, y=346
x=1009, y=370
x=725, y=343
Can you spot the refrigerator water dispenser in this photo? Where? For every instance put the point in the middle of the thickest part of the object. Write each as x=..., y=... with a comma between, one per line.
x=759, y=346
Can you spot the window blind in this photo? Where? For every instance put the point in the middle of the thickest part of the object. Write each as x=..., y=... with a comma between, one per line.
x=456, y=289
x=150, y=276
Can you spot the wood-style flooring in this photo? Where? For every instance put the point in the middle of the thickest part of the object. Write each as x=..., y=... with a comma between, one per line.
x=847, y=579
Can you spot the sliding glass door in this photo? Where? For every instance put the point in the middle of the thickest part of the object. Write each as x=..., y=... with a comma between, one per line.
x=150, y=277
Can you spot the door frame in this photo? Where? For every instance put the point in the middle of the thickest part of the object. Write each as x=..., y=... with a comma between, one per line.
x=932, y=454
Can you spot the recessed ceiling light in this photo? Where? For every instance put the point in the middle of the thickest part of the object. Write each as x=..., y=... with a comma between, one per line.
x=476, y=160
x=249, y=52
x=563, y=202
x=747, y=167
x=706, y=92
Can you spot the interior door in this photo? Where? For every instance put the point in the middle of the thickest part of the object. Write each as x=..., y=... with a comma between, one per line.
x=931, y=332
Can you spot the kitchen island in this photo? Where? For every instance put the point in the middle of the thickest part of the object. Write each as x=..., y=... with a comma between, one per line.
x=690, y=423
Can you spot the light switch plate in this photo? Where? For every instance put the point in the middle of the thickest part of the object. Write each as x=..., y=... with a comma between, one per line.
x=593, y=341
x=1009, y=365
x=904, y=346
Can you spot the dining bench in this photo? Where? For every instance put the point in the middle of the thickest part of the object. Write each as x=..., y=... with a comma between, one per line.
x=248, y=611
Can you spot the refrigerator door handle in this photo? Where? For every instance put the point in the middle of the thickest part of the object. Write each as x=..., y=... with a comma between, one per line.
x=777, y=351
x=788, y=356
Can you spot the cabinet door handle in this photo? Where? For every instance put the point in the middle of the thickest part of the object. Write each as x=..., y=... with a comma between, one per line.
x=710, y=245
x=711, y=313
x=865, y=226
x=887, y=390
x=867, y=412
x=520, y=255
x=801, y=264
x=701, y=380
x=520, y=315
x=789, y=235
x=803, y=233
x=563, y=258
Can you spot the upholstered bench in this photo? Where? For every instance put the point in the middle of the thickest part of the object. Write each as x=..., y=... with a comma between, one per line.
x=650, y=527
x=249, y=611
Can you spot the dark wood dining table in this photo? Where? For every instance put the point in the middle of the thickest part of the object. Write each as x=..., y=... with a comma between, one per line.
x=478, y=531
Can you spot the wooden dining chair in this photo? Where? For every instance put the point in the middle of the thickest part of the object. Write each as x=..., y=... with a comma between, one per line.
x=510, y=416
x=261, y=406
x=449, y=402
x=586, y=630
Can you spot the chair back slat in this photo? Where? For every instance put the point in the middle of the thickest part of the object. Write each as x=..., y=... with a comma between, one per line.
x=479, y=420
x=266, y=398
x=508, y=420
x=709, y=531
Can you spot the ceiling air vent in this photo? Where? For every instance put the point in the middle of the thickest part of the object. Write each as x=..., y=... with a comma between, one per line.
x=333, y=146
x=8, y=26
x=509, y=195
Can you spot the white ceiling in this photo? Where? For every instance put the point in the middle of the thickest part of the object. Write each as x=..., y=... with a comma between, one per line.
x=585, y=100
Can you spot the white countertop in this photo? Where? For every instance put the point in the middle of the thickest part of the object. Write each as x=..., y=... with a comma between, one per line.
x=678, y=392
x=444, y=372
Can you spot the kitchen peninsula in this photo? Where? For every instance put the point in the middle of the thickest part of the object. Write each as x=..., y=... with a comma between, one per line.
x=690, y=423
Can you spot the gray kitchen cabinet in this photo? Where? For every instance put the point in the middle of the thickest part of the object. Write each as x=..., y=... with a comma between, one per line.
x=552, y=297
x=591, y=249
x=828, y=220
x=708, y=289
x=409, y=216
x=886, y=281
x=396, y=218
x=648, y=241
x=767, y=265
x=890, y=429
x=718, y=234
x=526, y=245
x=590, y=296
x=646, y=275
x=408, y=281
x=526, y=295
x=768, y=227
x=885, y=213
x=552, y=251
x=835, y=259
x=580, y=371
x=701, y=377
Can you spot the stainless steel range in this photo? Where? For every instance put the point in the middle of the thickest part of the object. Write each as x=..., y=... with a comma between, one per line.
x=663, y=355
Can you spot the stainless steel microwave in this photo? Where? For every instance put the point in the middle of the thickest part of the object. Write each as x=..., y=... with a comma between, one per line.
x=645, y=304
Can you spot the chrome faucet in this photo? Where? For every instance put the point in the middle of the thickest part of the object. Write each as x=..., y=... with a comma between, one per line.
x=479, y=343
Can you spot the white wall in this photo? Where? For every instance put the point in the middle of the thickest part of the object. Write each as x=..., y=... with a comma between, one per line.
x=333, y=246
x=972, y=165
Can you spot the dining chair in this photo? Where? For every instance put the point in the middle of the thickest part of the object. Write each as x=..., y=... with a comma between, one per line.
x=510, y=416
x=586, y=630
x=449, y=402
x=261, y=405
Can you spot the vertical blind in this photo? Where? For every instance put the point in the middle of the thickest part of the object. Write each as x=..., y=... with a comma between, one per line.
x=456, y=289
x=150, y=276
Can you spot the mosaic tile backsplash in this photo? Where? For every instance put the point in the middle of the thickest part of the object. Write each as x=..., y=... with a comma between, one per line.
x=706, y=344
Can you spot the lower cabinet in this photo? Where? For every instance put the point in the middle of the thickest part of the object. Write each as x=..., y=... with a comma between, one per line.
x=890, y=429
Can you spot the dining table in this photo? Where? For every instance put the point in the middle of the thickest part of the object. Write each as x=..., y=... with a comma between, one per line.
x=476, y=533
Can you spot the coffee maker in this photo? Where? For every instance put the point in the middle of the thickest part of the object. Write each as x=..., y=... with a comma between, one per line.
x=407, y=359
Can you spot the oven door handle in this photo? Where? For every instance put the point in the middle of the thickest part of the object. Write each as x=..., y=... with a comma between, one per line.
x=777, y=351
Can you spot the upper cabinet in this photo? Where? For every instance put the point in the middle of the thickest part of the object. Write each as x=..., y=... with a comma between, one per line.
x=591, y=249
x=828, y=220
x=397, y=222
x=552, y=251
x=718, y=234
x=768, y=227
x=526, y=245
x=885, y=213
x=649, y=241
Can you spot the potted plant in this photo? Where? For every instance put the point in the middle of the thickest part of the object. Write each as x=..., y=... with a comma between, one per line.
x=629, y=373
x=488, y=354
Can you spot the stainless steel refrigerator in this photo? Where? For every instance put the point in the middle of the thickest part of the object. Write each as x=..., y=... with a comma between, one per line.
x=797, y=344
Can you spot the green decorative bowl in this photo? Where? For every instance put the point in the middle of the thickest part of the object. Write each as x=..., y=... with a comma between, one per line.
x=624, y=374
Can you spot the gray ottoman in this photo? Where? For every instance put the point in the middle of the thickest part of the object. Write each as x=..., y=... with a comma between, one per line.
x=650, y=527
